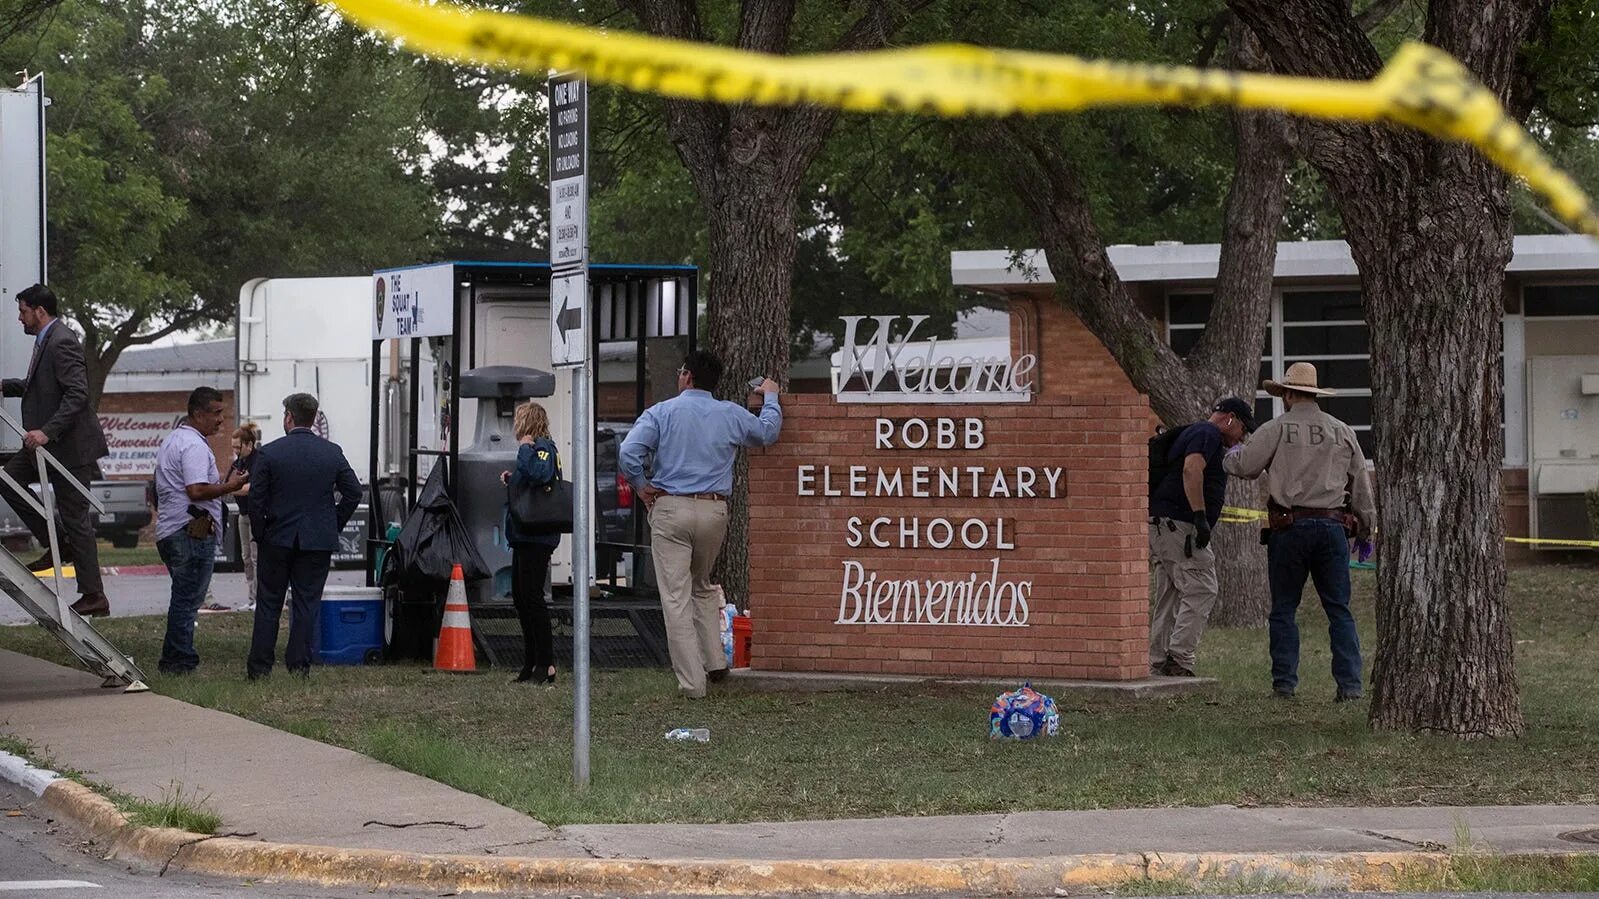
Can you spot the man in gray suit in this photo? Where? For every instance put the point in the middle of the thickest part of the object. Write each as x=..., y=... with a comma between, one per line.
x=56, y=414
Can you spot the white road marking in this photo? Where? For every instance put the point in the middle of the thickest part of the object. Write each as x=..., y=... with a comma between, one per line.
x=20, y=886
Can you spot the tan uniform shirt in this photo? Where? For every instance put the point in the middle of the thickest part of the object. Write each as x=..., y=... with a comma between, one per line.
x=1311, y=461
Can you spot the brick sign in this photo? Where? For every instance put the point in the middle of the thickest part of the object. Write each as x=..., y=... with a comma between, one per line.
x=1002, y=539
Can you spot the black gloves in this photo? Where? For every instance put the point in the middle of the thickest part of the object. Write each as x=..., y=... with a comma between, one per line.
x=1201, y=529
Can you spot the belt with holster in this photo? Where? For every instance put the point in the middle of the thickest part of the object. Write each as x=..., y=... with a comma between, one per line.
x=201, y=525
x=1279, y=518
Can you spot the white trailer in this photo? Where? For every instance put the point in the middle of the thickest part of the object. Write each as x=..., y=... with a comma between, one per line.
x=22, y=227
x=312, y=335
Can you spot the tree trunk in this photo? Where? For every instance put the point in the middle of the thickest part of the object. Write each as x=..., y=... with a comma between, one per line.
x=1445, y=655
x=1227, y=358
x=1429, y=228
x=747, y=165
x=1239, y=315
x=1243, y=595
x=752, y=244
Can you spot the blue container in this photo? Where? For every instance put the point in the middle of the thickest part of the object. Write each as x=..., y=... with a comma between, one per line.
x=351, y=631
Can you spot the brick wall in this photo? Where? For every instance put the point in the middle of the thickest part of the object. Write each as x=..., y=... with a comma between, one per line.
x=1084, y=553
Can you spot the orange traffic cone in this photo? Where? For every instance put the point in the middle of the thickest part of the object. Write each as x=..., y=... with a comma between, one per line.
x=454, y=651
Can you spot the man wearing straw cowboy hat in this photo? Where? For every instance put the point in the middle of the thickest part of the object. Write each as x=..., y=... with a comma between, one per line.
x=1320, y=498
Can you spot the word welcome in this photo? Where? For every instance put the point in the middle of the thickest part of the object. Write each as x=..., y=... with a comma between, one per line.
x=902, y=370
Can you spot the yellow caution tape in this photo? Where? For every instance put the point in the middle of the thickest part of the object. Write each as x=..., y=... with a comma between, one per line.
x=1422, y=86
x=1238, y=515
x=1539, y=541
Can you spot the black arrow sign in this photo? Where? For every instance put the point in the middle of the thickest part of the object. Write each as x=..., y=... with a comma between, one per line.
x=570, y=318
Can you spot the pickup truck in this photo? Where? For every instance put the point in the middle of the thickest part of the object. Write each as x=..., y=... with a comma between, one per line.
x=127, y=511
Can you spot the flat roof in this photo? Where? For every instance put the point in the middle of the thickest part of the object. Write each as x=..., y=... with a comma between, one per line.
x=534, y=265
x=1177, y=262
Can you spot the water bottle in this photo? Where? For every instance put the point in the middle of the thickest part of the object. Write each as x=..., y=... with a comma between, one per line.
x=689, y=735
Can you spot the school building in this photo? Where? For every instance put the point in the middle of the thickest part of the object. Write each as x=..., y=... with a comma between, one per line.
x=1551, y=347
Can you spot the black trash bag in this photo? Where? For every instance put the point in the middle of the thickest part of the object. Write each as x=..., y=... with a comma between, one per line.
x=434, y=539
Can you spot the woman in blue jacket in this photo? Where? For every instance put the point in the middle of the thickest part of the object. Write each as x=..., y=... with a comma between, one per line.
x=536, y=464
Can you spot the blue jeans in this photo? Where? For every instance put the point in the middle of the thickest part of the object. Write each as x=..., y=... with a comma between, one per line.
x=1319, y=549
x=189, y=563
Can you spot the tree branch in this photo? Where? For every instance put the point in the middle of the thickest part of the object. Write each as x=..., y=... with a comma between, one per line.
x=1377, y=13
x=807, y=127
x=764, y=25
x=454, y=179
x=1087, y=283
x=1240, y=308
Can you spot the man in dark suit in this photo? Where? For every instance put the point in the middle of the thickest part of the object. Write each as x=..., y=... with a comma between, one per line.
x=296, y=525
x=57, y=416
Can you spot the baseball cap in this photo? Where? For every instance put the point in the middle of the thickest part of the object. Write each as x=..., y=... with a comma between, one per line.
x=1235, y=406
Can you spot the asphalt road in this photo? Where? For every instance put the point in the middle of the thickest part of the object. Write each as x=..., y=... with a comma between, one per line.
x=41, y=859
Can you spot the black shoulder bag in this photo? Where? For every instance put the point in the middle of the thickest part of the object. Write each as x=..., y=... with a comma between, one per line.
x=542, y=508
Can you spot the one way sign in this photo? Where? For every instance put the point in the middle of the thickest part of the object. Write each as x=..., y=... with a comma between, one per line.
x=569, y=342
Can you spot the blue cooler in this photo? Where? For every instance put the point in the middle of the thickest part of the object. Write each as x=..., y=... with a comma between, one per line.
x=351, y=631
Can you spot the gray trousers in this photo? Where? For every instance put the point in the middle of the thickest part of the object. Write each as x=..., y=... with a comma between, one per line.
x=75, y=515
x=686, y=537
x=247, y=555
x=1185, y=592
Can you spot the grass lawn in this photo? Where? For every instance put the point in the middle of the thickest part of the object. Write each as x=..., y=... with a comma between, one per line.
x=111, y=556
x=924, y=750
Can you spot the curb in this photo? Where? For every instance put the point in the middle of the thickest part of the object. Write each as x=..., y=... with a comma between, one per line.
x=67, y=571
x=1154, y=687
x=233, y=857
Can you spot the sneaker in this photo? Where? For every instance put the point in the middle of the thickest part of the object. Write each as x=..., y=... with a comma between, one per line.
x=1347, y=696
x=1175, y=668
x=214, y=607
x=1282, y=692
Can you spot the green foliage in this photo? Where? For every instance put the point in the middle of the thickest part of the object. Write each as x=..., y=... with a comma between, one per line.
x=193, y=146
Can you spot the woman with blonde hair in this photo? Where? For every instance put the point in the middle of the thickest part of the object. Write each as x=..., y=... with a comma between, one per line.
x=536, y=465
x=245, y=441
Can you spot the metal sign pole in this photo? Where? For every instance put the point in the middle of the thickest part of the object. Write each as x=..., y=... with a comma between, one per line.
x=569, y=348
x=582, y=568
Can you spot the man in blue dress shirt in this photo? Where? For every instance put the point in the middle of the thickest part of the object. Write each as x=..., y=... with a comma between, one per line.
x=695, y=439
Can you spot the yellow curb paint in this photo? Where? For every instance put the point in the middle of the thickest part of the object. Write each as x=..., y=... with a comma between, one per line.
x=240, y=858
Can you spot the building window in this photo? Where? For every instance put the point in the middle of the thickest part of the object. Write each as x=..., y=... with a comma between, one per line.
x=1324, y=327
x=1186, y=315
x=1327, y=328
x=1560, y=300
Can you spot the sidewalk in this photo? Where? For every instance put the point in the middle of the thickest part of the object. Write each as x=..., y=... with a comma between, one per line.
x=147, y=591
x=287, y=789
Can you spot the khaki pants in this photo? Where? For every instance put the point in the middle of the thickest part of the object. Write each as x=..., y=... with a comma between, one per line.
x=247, y=556
x=1185, y=592
x=686, y=537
